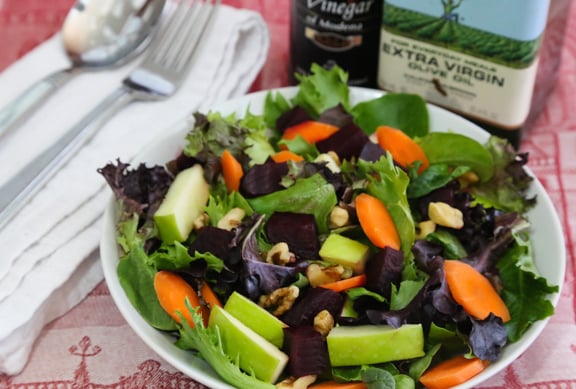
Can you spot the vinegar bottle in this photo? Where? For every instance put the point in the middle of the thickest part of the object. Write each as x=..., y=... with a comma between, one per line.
x=492, y=61
x=342, y=32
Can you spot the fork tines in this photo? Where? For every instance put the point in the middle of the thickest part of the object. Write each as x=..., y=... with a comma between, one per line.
x=178, y=41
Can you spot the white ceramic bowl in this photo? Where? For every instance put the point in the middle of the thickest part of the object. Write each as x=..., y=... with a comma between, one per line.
x=547, y=237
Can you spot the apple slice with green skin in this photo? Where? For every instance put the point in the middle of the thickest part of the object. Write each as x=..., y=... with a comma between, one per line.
x=184, y=202
x=256, y=318
x=254, y=354
x=370, y=344
x=344, y=251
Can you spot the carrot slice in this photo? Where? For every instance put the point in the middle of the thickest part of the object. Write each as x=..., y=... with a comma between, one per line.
x=208, y=295
x=376, y=222
x=231, y=170
x=452, y=372
x=347, y=283
x=312, y=131
x=405, y=151
x=339, y=385
x=172, y=291
x=473, y=291
x=285, y=156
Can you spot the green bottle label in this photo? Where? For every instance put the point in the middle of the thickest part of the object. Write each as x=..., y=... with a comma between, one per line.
x=479, y=58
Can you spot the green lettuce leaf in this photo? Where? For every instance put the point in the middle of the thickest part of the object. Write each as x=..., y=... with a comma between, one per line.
x=526, y=293
x=406, y=112
x=322, y=89
x=312, y=195
x=507, y=189
x=137, y=279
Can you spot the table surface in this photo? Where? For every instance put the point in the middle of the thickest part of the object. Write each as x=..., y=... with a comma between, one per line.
x=93, y=346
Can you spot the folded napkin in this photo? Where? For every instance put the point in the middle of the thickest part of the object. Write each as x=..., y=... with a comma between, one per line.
x=49, y=260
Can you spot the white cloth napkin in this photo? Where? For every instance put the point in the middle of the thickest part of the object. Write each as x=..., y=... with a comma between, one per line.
x=49, y=260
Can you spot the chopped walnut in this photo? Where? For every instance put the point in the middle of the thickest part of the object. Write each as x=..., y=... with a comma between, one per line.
x=323, y=322
x=424, y=228
x=232, y=219
x=280, y=254
x=445, y=215
x=318, y=275
x=467, y=179
x=281, y=300
x=339, y=217
x=201, y=221
x=296, y=383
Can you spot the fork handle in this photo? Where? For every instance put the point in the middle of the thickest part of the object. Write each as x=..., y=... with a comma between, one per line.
x=28, y=101
x=17, y=191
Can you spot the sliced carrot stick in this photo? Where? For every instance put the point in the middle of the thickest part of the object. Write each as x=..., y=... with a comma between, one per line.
x=339, y=385
x=208, y=295
x=312, y=131
x=347, y=283
x=405, y=151
x=285, y=156
x=172, y=291
x=452, y=372
x=376, y=222
x=473, y=291
x=232, y=171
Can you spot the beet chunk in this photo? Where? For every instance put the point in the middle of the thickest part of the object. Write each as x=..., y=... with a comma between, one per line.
x=292, y=117
x=307, y=351
x=263, y=179
x=213, y=240
x=383, y=269
x=347, y=142
x=298, y=230
x=312, y=302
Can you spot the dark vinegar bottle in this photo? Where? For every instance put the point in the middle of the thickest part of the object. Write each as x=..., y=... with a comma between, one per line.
x=342, y=32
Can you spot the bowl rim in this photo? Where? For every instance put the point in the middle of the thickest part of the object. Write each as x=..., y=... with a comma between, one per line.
x=199, y=370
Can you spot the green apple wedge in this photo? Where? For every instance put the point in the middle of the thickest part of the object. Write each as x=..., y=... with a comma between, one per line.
x=344, y=251
x=254, y=354
x=256, y=318
x=184, y=202
x=371, y=344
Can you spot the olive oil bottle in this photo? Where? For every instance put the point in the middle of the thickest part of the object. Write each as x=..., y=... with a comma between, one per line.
x=493, y=61
x=342, y=32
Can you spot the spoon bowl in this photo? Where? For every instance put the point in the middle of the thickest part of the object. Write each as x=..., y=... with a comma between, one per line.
x=96, y=35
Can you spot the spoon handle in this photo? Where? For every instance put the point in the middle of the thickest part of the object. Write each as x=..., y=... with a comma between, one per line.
x=26, y=103
x=19, y=190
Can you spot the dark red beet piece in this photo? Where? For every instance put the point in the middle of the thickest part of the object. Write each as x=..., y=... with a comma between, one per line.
x=336, y=116
x=372, y=152
x=263, y=179
x=311, y=303
x=383, y=269
x=212, y=240
x=307, y=351
x=298, y=230
x=292, y=117
x=347, y=142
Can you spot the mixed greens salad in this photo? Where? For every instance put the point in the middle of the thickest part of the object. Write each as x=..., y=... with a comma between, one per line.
x=312, y=242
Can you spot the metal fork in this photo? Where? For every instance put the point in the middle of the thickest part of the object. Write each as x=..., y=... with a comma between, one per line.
x=158, y=77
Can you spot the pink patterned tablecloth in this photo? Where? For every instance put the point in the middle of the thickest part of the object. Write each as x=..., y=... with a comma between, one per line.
x=92, y=346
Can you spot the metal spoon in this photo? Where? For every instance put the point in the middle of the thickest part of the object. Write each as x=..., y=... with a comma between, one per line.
x=97, y=35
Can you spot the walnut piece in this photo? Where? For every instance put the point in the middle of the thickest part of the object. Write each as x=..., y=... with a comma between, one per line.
x=318, y=275
x=280, y=254
x=281, y=300
x=323, y=322
x=232, y=219
x=339, y=217
x=296, y=383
